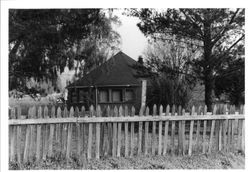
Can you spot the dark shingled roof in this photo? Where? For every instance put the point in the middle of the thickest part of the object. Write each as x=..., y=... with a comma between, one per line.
x=116, y=71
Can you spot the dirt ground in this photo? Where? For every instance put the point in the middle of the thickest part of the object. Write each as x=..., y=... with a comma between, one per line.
x=213, y=161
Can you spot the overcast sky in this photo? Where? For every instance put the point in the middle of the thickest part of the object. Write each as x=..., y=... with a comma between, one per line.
x=133, y=40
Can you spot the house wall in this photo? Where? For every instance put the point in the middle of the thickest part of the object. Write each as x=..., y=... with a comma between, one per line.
x=74, y=97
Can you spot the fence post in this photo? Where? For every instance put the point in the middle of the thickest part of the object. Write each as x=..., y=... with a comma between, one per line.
x=173, y=131
x=165, y=146
x=243, y=131
x=204, y=131
x=132, y=133
x=191, y=133
x=212, y=131
x=126, y=132
x=160, y=131
x=51, y=135
x=38, y=135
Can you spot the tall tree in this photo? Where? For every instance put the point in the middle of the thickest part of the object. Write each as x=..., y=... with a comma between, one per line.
x=42, y=42
x=214, y=32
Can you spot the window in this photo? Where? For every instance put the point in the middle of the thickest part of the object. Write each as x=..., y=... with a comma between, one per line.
x=81, y=96
x=103, y=96
x=129, y=95
x=117, y=95
x=74, y=96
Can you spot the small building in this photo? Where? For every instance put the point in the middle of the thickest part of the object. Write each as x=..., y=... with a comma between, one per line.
x=116, y=82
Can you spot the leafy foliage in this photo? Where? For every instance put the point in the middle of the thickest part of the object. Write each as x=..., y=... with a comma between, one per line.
x=43, y=42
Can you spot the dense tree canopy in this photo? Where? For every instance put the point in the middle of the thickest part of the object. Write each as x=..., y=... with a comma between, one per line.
x=43, y=42
x=216, y=33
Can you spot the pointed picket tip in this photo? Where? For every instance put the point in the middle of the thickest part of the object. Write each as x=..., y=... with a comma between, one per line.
x=39, y=112
x=167, y=110
x=147, y=111
x=183, y=112
x=214, y=110
x=154, y=110
x=161, y=110
x=59, y=112
x=193, y=110
x=98, y=111
x=71, y=112
x=12, y=113
x=133, y=111
x=173, y=109
x=115, y=111
x=126, y=111
x=83, y=109
x=53, y=111
x=205, y=110
x=199, y=110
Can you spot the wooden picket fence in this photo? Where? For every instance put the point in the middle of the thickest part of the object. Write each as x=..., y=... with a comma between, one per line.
x=120, y=132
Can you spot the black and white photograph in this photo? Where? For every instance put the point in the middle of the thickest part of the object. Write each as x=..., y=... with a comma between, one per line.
x=127, y=88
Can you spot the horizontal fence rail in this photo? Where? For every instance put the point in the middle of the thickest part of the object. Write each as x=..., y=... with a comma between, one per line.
x=122, y=119
x=75, y=133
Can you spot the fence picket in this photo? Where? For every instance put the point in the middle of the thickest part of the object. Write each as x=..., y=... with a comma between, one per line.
x=19, y=136
x=83, y=128
x=78, y=134
x=98, y=129
x=198, y=130
x=37, y=132
x=132, y=133
x=109, y=113
x=12, y=136
x=204, y=131
x=191, y=133
x=114, y=149
x=243, y=132
x=69, y=136
x=212, y=132
x=126, y=133
x=146, y=133
x=27, y=140
x=154, y=139
x=119, y=133
x=89, y=152
x=32, y=134
x=165, y=146
x=51, y=135
x=160, y=132
x=59, y=129
x=179, y=132
x=64, y=132
x=183, y=133
x=139, y=150
x=225, y=125
x=173, y=131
